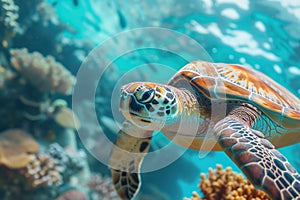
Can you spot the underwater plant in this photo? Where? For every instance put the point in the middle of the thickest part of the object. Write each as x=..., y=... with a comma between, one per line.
x=226, y=185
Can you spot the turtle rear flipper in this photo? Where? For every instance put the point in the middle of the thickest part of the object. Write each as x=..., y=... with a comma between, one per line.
x=263, y=165
x=126, y=159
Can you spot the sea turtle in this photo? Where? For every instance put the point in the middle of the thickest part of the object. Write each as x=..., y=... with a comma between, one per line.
x=260, y=115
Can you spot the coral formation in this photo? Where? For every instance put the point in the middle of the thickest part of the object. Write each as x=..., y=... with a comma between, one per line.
x=9, y=13
x=51, y=169
x=43, y=171
x=102, y=188
x=226, y=184
x=44, y=73
x=66, y=118
x=69, y=164
x=72, y=195
x=16, y=148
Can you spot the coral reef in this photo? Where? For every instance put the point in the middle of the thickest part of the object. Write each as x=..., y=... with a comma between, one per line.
x=44, y=73
x=102, y=188
x=16, y=148
x=35, y=90
x=43, y=171
x=9, y=13
x=72, y=195
x=69, y=164
x=226, y=184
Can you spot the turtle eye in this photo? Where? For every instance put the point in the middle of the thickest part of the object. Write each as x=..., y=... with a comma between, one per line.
x=146, y=96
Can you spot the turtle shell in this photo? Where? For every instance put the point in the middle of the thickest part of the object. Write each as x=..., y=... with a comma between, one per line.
x=234, y=82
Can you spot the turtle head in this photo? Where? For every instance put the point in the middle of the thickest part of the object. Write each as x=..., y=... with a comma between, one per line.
x=149, y=105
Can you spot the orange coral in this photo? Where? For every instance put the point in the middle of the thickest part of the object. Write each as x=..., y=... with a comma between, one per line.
x=16, y=148
x=226, y=184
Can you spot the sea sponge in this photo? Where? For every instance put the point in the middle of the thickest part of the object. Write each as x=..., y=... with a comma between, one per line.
x=226, y=184
x=16, y=148
x=44, y=73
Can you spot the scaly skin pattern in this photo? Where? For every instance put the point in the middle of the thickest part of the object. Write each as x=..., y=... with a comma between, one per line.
x=126, y=158
x=264, y=166
x=254, y=101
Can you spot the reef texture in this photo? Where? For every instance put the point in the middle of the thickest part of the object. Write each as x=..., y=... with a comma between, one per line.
x=44, y=73
x=9, y=13
x=102, y=188
x=227, y=185
x=73, y=195
x=43, y=171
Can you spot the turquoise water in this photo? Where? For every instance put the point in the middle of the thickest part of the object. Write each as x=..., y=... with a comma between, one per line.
x=264, y=35
x=261, y=34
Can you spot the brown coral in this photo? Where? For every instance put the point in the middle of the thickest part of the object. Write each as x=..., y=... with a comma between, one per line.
x=227, y=185
x=44, y=73
x=43, y=171
x=16, y=148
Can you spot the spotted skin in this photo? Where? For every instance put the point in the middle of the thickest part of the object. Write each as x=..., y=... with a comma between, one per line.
x=259, y=111
x=147, y=104
x=264, y=166
x=126, y=158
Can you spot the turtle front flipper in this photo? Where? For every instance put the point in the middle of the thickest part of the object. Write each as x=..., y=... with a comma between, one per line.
x=263, y=165
x=126, y=158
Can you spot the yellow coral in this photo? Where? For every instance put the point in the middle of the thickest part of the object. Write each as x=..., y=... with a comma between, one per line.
x=227, y=185
x=44, y=73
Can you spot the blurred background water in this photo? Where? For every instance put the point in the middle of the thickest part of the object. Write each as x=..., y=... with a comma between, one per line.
x=261, y=34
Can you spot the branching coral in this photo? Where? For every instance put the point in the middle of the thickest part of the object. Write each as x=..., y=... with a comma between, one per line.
x=69, y=164
x=51, y=168
x=226, y=184
x=16, y=148
x=103, y=188
x=43, y=171
x=44, y=73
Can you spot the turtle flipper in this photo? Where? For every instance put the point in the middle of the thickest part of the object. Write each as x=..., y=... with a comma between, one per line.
x=126, y=159
x=264, y=166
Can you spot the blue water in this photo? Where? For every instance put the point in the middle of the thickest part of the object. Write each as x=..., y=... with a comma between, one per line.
x=261, y=34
